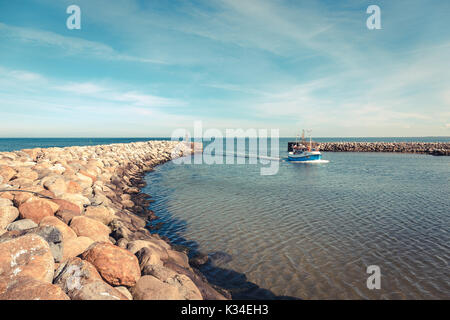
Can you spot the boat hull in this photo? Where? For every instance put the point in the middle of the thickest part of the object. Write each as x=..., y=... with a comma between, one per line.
x=305, y=157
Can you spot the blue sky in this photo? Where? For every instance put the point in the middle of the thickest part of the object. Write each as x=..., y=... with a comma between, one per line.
x=145, y=68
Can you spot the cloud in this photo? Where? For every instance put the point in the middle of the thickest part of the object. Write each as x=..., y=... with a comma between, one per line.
x=70, y=45
x=32, y=89
x=133, y=98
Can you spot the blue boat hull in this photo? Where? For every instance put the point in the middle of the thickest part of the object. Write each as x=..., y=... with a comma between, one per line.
x=305, y=158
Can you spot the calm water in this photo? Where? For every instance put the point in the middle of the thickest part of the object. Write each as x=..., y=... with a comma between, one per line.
x=11, y=144
x=311, y=230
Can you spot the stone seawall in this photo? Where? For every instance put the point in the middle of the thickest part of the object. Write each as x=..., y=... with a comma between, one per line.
x=432, y=148
x=73, y=226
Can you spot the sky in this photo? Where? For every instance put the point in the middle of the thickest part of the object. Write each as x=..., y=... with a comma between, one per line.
x=147, y=68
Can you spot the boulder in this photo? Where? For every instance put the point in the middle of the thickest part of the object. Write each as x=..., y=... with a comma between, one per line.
x=23, y=183
x=66, y=232
x=66, y=215
x=22, y=197
x=98, y=290
x=136, y=245
x=5, y=202
x=199, y=259
x=88, y=174
x=208, y=292
x=73, y=274
x=158, y=271
x=7, y=173
x=28, y=288
x=76, y=199
x=75, y=247
x=35, y=210
x=122, y=243
x=27, y=174
x=179, y=258
x=150, y=288
x=116, y=265
x=57, y=186
x=53, y=205
x=100, y=213
x=73, y=187
x=21, y=225
x=32, y=153
x=84, y=226
x=6, y=195
x=148, y=256
x=7, y=215
x=28, y=255
x=49, y=233
x=65, y=205
x=125, y=292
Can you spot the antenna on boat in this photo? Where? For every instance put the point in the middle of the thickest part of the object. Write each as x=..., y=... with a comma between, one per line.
x=310, y=141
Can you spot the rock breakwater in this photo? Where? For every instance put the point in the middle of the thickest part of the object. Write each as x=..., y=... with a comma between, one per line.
x=432, y=148
x=73, y=226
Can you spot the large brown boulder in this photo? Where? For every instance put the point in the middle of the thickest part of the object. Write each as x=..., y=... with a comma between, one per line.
x=49, y=233
x=35, y=210
x=28, y=255
x=73, y=274
x=98, y=290
x=7, y=215
x=27, y=288
x=148, y=256
x=66, y=232
x=150, y=288
x=65, y=205
x=207, y=291
x=116, y=265
x=56, y=185
x=27, y=173
x=7, y=173
x=136, y=245
x=53, y=205
x=76, y=199
x=179, y=258
x=176, y=287
x=186, y=287
x=66, y=215
x=100, y=213
x=84, y=226
x=75, y=247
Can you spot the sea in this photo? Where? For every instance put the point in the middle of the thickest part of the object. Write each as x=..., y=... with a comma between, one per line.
x=310, y=231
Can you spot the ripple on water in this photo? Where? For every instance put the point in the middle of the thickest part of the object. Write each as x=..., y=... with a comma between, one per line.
x=311, y=231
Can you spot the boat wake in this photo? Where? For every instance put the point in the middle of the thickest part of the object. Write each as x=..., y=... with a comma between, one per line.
x=308, y=161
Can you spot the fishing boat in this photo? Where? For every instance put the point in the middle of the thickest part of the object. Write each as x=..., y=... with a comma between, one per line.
x=304, y=152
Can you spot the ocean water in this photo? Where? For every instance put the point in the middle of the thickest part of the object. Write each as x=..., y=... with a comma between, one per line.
x=11, y=144
x=311, y=231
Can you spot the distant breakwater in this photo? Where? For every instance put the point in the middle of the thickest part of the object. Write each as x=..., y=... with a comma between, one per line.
x=73, y=227
x=432, y=148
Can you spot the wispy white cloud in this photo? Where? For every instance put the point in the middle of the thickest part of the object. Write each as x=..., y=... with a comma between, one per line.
x=71, y=96
x=70, y=45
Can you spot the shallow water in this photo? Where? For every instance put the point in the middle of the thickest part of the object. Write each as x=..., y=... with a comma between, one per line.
x=310, y=231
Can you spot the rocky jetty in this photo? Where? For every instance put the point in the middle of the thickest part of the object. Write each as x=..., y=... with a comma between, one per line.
x=73, y=226
x=432, y=148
